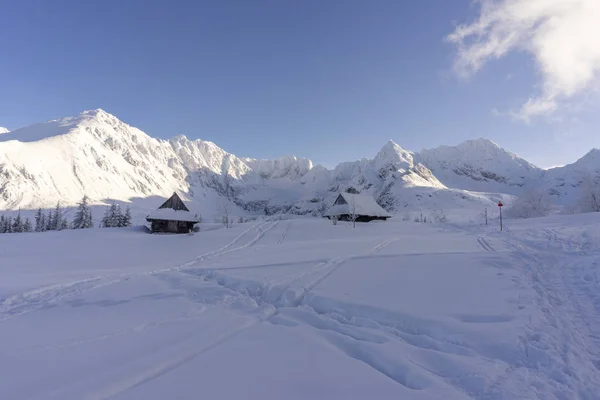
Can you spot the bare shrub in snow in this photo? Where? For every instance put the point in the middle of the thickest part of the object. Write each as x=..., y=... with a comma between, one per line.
x=534, y=203
x=334, y=219
x=590, y=196
x=352, y=213
x=225, y=218
x=439, y=216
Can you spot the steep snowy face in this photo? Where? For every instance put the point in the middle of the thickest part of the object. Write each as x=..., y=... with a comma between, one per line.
x=394, y=162
x=565, y=184
x=93, y=153
x=590, y=163
x=394, y=179
x=3, y=130
x=285, y=167
x=97, y=155
x=392, y=155
x=480, y=165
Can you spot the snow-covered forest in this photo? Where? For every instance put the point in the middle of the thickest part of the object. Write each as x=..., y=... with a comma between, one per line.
x=55, y=219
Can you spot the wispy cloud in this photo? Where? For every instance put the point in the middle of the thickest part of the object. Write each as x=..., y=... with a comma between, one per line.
x=562, y=35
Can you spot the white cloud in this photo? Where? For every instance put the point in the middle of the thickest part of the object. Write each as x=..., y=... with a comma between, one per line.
x=563, y=37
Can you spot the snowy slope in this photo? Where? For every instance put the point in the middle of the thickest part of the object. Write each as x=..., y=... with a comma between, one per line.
x=3, y=130
x=480, y=165
x=565, y=183
x=302, y=309
x=100, y=156
x=97, y=155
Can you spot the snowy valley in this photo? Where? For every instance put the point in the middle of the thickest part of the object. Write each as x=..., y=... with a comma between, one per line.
x=283, y=305
x=303, y=309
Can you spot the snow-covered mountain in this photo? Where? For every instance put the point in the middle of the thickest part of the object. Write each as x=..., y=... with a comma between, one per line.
x=480, y=165
x=98, y=155
x=3, y=130
x=565, y=183
x=102, y=157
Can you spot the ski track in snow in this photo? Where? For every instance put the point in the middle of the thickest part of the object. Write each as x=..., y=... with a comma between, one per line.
x=47, y=296
x=291, y=297
x=285, y=232
x=561, y=268
x=169, y=365
x=485, y=244
x=567, y=332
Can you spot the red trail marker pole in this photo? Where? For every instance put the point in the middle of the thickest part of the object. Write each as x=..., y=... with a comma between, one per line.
x=500, y=207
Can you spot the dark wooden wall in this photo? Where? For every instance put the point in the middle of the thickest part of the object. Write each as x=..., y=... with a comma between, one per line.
x=172, y=226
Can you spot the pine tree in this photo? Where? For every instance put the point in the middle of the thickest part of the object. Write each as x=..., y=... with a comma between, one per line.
x=54, y=219
x=118, y=217
x=88, y=221
x=126, y=220
x=50, y=223
x=9, y=225
x=40, y=221
x=43, y=222
x=27, y=225
x=57, y=218
x=17, y=226
x=83, y=216
x=112, y=216
x=106, y=218
x=2, y=224
x=64, y=224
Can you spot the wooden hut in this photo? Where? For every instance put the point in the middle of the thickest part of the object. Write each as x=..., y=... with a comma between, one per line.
x=172, y=216
x=363, y=207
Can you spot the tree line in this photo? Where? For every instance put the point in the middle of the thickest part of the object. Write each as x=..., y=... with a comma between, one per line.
x=55, y=220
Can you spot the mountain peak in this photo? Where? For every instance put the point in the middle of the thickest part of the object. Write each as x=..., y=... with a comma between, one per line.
x=3, y=130
x=390, y=145
x=99, y=115
x=95, y=112
x=480, y=143
x=595, y=152
x=393, y=154
x=590, y=161
x=62, y=126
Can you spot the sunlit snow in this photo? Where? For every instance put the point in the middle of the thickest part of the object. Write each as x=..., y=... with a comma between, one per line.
x=303, y=309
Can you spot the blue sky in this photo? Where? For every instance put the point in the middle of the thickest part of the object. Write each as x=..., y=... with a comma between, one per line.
x=329, y=80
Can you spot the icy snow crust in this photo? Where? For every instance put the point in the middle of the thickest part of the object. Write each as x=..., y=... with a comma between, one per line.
x=302, y=309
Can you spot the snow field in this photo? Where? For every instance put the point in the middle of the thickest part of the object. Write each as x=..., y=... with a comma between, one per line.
x=300, y=309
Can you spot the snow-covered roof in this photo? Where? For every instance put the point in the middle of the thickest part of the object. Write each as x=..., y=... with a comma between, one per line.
x=359, y=204
x=168, y=214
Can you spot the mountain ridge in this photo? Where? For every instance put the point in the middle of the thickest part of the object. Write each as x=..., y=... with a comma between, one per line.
x=98, y=155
